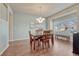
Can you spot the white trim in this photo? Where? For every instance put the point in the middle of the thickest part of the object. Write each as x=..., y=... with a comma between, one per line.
x=19, y=39
x=9, y=8
x=9, y=24
x=4, y=49
x=68, y=13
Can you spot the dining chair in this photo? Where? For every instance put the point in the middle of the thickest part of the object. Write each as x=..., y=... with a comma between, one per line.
x=33, y=40
x=46, y=38
x=39, y=31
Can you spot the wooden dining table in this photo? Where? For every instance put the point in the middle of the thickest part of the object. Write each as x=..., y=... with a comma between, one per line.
x=38, y=37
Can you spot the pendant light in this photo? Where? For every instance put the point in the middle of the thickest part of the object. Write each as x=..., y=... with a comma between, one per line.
x=40, y=19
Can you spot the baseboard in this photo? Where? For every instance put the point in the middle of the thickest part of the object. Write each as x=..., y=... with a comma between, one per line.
x=4, y=49
x=19, y=39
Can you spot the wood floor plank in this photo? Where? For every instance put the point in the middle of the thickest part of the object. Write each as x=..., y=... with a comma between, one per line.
x=22, y=48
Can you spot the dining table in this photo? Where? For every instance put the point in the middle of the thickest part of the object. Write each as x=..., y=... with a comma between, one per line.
x=38, y=37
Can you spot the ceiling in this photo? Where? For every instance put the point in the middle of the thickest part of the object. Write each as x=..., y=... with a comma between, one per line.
x=34, y=8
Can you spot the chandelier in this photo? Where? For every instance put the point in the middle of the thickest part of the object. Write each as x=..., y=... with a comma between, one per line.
x=40, y=19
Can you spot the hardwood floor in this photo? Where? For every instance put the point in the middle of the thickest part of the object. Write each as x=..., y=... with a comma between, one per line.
x=22, y=48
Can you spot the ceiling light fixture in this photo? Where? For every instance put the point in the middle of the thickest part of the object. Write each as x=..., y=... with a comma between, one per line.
x=40, y=19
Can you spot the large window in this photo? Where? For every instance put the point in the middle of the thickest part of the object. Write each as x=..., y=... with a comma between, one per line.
x=65, y=26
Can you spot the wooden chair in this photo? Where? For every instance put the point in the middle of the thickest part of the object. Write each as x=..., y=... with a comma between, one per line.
x=39, y=31
x=46, y=38
x=33, y=40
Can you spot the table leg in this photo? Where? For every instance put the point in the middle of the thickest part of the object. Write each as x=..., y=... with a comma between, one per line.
x=52, y=40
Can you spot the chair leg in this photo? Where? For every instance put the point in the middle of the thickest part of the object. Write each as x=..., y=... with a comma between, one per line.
x=39, y=43
x=43, y=45
x=48, y=44
x=31, y=45
x=34, y=45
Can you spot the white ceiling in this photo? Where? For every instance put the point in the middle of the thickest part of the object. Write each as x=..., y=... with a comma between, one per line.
x=34, y=8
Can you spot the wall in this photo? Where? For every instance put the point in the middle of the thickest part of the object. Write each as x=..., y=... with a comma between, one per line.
x=0, y=30
x=3, y=28
x=48, y=23
x=22, y=25
x=0, y=10
x=78, y=18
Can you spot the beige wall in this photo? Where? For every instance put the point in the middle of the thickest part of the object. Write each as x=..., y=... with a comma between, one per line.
x=50, y=23
x=78, y=17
